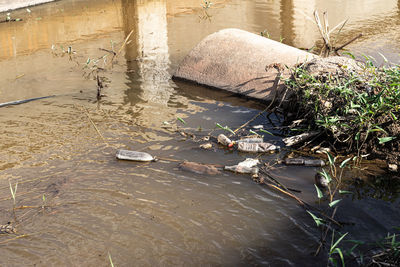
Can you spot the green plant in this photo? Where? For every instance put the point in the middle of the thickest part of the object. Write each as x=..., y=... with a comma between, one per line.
x=334, y=249
x=358, y=110
x=43, y=201
x=206, y=4
x=226, y=128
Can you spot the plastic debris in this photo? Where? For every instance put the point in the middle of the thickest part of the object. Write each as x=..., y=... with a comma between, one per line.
x=393, y=167
x=257, y=147
x=250, y=140
x=321, y=181
x=305, y=162
x=206, y=146
x=258, y=127
x=293, y=140
x=133, y=155
x=246, y=166
x=7, y=229
x=323, y=150
x=222, y=139
x=249, y=163
x=314, y=162
x=199, y=168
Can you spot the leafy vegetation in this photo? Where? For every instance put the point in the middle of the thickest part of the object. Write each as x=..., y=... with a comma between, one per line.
x=358, y=110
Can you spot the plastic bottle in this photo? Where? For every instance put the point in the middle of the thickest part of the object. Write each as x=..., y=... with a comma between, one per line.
x=133, y=155
x=257, y=147
x=250, y=140
x=222, y=139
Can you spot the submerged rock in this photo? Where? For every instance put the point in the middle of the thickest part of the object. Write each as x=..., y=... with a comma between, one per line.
x=235, y=60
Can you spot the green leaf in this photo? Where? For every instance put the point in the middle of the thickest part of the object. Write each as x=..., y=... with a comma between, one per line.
x=349, y=54
x=331, y=159
x=253, y=132
x=181, y=120
x=337, y=242
x=344, y=192
x=229, y=130
x=343, y=164
x=111, y=262
x=326, y=175
x=219, y=125
x=386, y=139
x=267, y=132
x=319, y=192
x=333, y=203
x=339, y=251
x=317, y=220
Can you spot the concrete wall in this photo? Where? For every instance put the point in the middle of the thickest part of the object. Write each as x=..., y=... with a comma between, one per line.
x=14, y=4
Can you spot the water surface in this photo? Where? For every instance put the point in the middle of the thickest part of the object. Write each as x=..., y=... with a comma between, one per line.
x=153, y=213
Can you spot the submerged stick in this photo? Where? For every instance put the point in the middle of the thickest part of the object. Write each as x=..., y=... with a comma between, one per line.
x=347, y=43
x=279, y=68
x=115, y=55
x=94, y=125
x=18, y=102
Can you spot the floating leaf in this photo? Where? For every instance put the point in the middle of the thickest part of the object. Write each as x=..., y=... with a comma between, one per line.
x=333, y=203
x=386, y=139
x=319, y=192
x=181, y=120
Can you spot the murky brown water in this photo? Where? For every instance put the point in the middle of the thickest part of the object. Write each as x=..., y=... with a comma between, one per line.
x=154, y=214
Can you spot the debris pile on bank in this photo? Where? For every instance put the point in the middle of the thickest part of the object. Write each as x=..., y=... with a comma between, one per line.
x=354, y=107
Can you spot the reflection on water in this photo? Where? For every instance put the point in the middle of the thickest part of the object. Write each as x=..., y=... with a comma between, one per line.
x=153, y=213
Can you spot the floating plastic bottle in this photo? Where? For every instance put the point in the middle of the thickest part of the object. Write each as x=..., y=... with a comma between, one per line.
x=257, y=147
x=133, y=155
x=222, y=139
x=250, y=140
x=305, y=162
x=242, y=169
x=246, y=166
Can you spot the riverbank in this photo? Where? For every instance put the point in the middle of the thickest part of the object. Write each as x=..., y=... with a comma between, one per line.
x=353, y=106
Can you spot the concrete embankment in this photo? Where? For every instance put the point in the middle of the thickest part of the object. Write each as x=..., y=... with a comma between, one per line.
x=6, y=5
x=237, y=61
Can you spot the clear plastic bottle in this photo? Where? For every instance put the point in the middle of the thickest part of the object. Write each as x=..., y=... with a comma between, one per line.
x=222, y=139
x=257, y=147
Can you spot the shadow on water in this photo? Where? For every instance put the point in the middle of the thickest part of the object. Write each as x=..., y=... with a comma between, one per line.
x=152, y=213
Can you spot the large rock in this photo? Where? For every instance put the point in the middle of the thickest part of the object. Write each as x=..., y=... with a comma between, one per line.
x=236, y=61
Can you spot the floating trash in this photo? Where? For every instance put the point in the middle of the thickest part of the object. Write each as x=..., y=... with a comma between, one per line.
x=294, y=140
x=305, y=162
x=222, y=139
x=199, y=168
x=133, y=155
x=206, y=146
x=7, y=229
x=257, y=147
x=250, y=140
x=246, y=166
